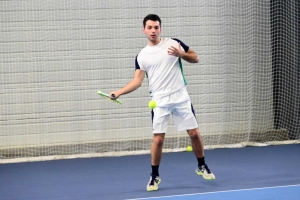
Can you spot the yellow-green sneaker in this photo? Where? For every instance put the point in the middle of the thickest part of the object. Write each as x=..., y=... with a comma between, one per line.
x=153, y=183
x=205, y=172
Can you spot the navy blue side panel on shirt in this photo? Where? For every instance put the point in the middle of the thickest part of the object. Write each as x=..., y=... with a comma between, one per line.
x=184, y=46
x=137, y=66
x=136, y=63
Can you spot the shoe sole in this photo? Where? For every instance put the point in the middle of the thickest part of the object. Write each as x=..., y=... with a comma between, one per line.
x=150, y=190
x=206, y=178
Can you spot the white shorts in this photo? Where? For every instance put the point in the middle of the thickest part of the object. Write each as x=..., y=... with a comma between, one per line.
x=179, y=106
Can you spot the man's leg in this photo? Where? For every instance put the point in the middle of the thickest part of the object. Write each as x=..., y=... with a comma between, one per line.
x=160, y=120
x=198, y=149
x=197, y=142
x=156, y=148
x=156, y=154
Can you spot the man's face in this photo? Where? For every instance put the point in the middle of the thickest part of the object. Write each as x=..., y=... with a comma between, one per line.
x=152, y=31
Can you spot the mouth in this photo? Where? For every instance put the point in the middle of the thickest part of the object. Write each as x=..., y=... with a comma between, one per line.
x=152, y=36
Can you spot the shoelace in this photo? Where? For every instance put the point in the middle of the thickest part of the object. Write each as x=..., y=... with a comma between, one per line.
x=153, y=179
x=204, y=167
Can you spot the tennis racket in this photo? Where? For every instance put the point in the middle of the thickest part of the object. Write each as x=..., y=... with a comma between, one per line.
x=106, y=96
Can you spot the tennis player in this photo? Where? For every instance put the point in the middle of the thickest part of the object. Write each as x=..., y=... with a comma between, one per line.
x=161, y=61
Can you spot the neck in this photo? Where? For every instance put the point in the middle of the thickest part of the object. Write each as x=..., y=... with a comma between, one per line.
x=153, y=43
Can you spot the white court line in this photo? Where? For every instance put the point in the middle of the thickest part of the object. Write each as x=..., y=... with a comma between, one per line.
x=216, y=192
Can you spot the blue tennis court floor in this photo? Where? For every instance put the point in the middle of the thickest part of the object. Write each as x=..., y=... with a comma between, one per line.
x=260, y=173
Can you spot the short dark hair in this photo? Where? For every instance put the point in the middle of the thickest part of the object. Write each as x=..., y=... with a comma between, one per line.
x=152, y=17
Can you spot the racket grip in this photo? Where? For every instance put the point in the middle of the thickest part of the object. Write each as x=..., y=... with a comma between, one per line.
x=113, y=95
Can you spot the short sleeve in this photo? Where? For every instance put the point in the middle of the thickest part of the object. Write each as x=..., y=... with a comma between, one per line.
x=184, y=46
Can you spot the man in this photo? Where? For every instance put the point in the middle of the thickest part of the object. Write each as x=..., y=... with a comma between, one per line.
x=161, y=61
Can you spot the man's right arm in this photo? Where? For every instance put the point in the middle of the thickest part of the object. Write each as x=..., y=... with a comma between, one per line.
x=134, y=84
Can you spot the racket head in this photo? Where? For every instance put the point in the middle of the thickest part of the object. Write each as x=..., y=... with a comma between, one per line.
x=106, y=96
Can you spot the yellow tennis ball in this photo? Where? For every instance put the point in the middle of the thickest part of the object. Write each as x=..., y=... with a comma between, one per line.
x=189, y=148
x=152, y=104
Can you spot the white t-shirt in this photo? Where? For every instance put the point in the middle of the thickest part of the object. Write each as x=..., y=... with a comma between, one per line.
x=164, y=72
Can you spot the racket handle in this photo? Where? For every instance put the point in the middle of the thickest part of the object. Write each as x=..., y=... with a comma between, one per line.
x=113, y=95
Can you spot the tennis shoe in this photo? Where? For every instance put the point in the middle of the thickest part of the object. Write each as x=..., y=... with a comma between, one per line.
x=153, y=183
x=205, y=172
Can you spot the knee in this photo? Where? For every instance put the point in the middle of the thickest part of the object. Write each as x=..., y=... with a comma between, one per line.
x=194, y=134
x=158, y=140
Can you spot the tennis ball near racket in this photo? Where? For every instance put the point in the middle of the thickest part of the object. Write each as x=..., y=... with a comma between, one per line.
x=152, y=104
x=189, y=148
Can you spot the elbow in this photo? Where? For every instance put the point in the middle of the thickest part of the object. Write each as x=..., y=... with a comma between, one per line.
x=196, y=60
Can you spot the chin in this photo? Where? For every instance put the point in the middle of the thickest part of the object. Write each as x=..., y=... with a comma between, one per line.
x=153, y=39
